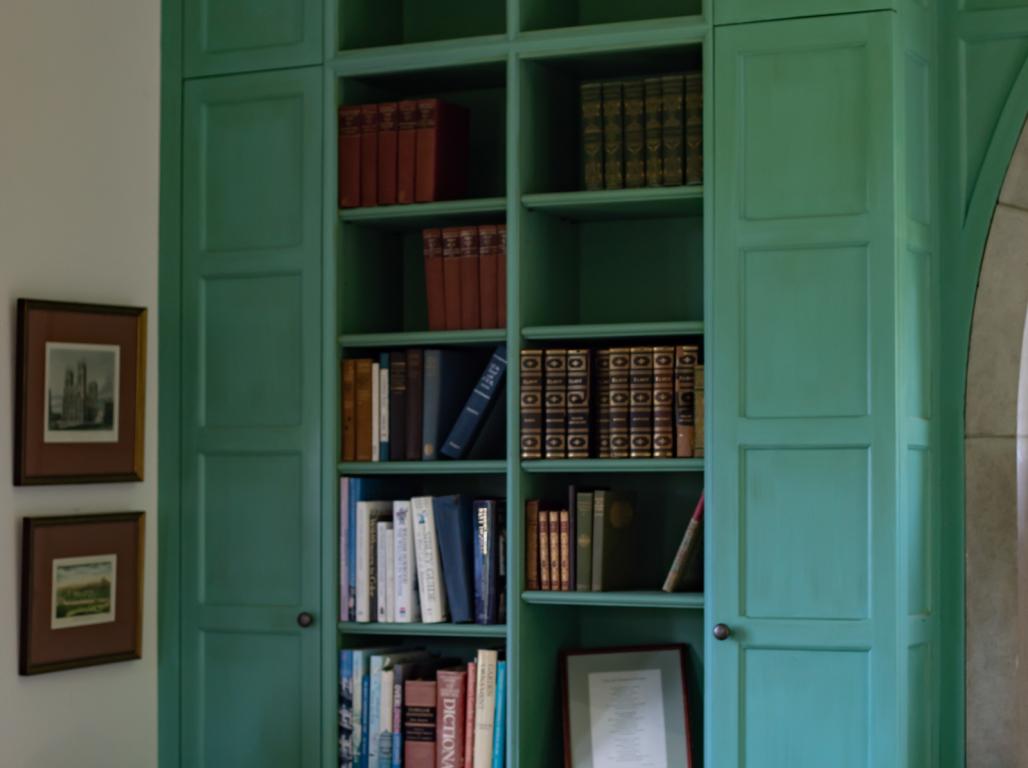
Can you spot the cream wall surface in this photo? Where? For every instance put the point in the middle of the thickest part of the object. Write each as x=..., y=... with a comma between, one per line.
x=79, y=108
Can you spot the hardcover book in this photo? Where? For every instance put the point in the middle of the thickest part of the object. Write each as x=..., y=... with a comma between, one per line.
x=406, y=141
x=363, y=409
x=693, y=128
x=469, y=716
x=349, y=157
x=592, y=136
x=369, y=515
x=384, y=579
x=613, y=136
x=485, y=708
x=531, y=402
x=388, y=114
x=407, y=607
x=640, y=409
x=441, y=156
x=369, y=154
x=470, y=310
x=455, y=531
x=603, y=403
x=663, y=401
x=451, y=278
x=654, y=140
x=451, y=694
x=419, y=723
x=431, y=591
x=635, y=138
x=555, y=394
x=349, y=410
x=447, y=381
x=376, y=413
x=613, y=541
x=500, y=718
x=687, y=550
x=415, y=396
x=532, y=545
x=578, y=403
x=383, y=407
x=700, y=417
x=553, y=525
x=544, y=551
x=584, y=541
x=564, y=526
x=482, y=399
x=435, y=280
x=487, y=513
x=397, y=405
x=620, y=374
x=488, y=276
x=672, y=97
x=685, y=399
x=501, y=275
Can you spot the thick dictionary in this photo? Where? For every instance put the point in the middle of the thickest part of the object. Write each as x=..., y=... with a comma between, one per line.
x=451, y=695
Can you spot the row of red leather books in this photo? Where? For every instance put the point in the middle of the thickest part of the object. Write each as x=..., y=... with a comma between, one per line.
x=398, y=152
x=466, y=277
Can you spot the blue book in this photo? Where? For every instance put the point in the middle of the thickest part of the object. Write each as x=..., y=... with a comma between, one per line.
x=500, y=722
x=365, y=720
x=486, y=558
x=346, y=709
x=384, y=435
x=454, y=532
x=483, y=397
x=447, y=378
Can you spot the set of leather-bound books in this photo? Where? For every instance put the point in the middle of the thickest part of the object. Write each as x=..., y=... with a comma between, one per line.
x=466, y=277
x=398, y=152
x=642, y=132
x=623, y=402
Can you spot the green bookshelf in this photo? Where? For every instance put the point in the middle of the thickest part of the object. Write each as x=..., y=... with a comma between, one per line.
x=422, y=630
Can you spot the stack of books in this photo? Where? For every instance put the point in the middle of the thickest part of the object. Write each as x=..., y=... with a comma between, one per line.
x=466, y=277
x=413, y=151
x=426, y=559
x=623, y=402
x=423, y=404
x=632, y=132
x=406, y=707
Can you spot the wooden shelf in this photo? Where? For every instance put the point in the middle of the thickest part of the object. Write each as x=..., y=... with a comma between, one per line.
x=612, y=465
x=640, y=203
x=430, y=55
x=423, y=630
x=626, y=599
x=441, y=467
x=611, y=330
x=482, y=337
x=417, y=215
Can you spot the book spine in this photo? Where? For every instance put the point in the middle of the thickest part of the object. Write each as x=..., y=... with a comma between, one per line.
x=532, y=545
x=415, y=391
x=383, y=407
x=455, y=533
x=376, y=396
x=544, y=551
x=435, y=281
x=572, y=537
x=419, y=723
x=349, y=157
x=500, y=718
x=578, y=403
x=686, y=550
x=429, y=567
x=384, y=544
x=553, y=526
x=352, y=497
x=556, y=397
x=397, y=752
x=470, y=313
x=599, y=512
x=663, y=402
x=592, y=136
x=349, y=406
x=451, y=278
x=694, y=128
x=603, y=403
x=364, y=561
x=700, y=413
x=369, y=154
x=426, y=153
x=360, y=704
x=485, y=708
x=531, y=403
x=451, y=687
x=620, y=368
x=482, y=398
x=387, y=127
x=441, y=154
x=488, y=263
x=685, y=400
x=564, y=523
x=405, y=605
x=385, y=720
x=501, y=275
x=397, y=405
x=635, y=137
x=613, y=136
x=374, y=710
x=431, y=403
x=346, y=709
x=640, y=413
x=654, y=161
x=584, y=541
x=363, y=409
x=406, y=140
x=344, y=547
x=486, y=562
x=672, y=96
x=469, y=715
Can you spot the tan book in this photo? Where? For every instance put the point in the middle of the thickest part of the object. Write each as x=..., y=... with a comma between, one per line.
x=362, y=408
x=544, y=551
x=565, y=550
x=553, y=520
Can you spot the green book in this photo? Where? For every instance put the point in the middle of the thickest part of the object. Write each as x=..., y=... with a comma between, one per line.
x=613, y=545
x=592, y=136
x=584, y=541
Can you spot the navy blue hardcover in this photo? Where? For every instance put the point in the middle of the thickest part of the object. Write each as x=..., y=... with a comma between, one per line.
x=447, y=378
x=486, y=562
x=483, y=398
x=454, y=531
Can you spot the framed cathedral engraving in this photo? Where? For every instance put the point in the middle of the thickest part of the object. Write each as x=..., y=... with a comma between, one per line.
x=79, y=393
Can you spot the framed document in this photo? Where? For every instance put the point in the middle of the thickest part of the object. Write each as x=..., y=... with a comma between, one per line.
x=626, y=708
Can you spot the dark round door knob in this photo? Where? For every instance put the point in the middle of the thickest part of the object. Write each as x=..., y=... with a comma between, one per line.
x=722, y=631
x=304, y=619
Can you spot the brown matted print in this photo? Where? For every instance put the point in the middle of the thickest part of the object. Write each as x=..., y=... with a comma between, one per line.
x=81, y=591
x=79, y=393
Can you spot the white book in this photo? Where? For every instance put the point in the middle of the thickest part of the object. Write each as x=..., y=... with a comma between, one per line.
x=375, y=376
x=407, y=607
x=485, y=708
x=383, y=408
x=385, y=719
x=431, y=592
x=390, y=576
x=369, y=513
x=384, y=547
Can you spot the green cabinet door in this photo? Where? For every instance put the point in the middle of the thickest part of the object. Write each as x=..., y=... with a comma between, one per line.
x=803, y=470
x=223, y=36
x=250, y=543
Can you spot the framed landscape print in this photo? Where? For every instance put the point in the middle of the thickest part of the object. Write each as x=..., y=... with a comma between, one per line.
x=626, y=708
x=79, y=394
x=81, y=591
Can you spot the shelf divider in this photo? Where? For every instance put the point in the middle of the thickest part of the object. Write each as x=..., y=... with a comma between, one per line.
x=640, y=203
x=417, y=215
x=423, y=630
x=612, y=330
x=620, y=466
x=462, y=467
x=621, y=599
x=484, y=336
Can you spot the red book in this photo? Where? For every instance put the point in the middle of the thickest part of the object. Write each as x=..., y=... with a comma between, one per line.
x=451, y=277
x=369, y=154
x=419, y=723
x=501, y=276
x=406, y=141
x=469, y=716
x=349, y=157
x=387, y=122
x=470, y=317
x=435, y=294
x=488, y=264
x=441, y=168
x=450, y=714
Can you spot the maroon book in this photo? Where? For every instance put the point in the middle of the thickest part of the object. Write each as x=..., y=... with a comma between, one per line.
x=501, y=276
x=451, y=691
x=369, y=154
x=349, y=157
x=488, y=264
x=387, y=122
x=412, y=417
x=470, y=316
x=435, y=293
x=451, y=277
x=441, y=157
x=406, y=142
x=419, y=729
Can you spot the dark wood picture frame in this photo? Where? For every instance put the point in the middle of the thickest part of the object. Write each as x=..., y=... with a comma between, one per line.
x=39, y=461
x=565, y=654
x=43, y=648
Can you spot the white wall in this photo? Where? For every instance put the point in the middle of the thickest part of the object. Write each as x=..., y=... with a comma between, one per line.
x=79, y=107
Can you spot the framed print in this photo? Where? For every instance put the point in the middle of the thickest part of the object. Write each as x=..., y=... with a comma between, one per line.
x=81, y=591
x=79, y=393
x=626, y=708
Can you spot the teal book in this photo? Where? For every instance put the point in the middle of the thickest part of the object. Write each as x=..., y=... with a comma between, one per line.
x=500, y=722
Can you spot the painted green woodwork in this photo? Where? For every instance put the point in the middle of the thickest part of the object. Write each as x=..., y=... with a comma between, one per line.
x=542, y=14
x=626, y=599
x=612, y=330
x=427, y=214
x=738, y=11
x=424, y=630
x=367, y=23
x=478, y=338
x=619, y=466
x=224, y=36
x=644, y=203
x=468, y=467
x=251, y=504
